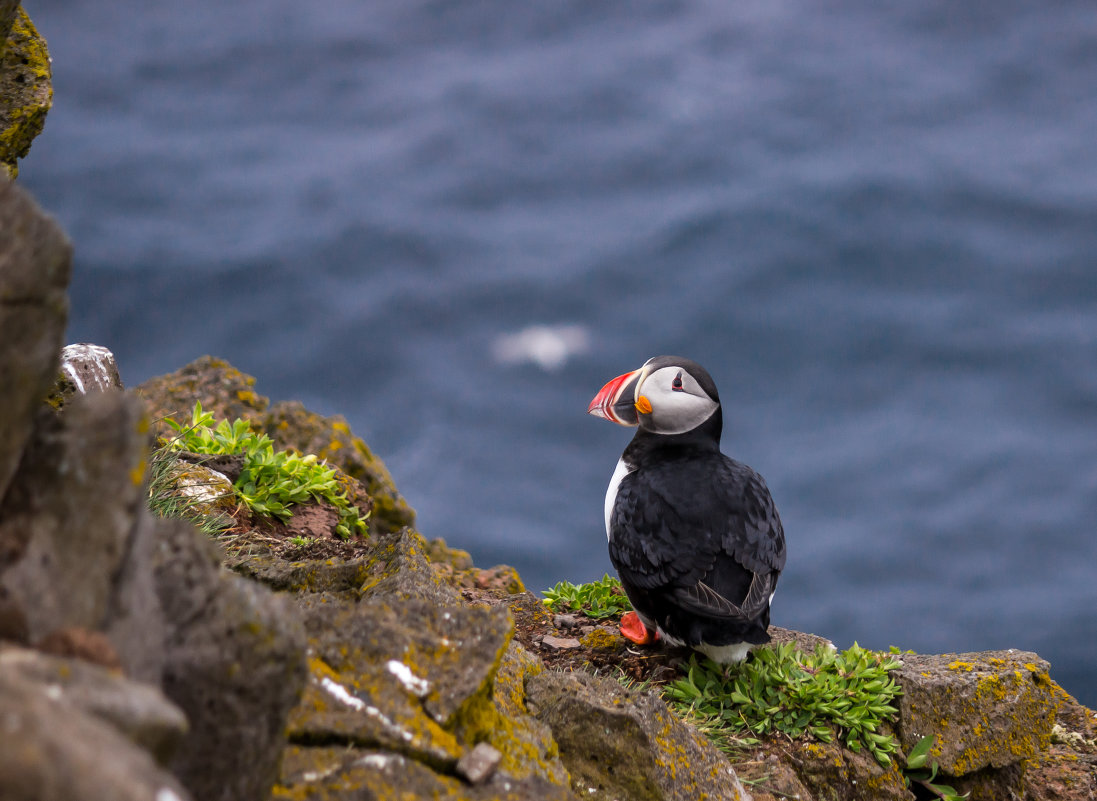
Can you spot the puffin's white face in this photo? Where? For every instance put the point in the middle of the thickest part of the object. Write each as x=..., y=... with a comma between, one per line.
x=670, y=401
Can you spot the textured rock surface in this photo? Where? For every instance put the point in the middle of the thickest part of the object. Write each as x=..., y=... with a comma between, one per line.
x=26, y=91
x=618, y=743
x=989, y=709
x=138, y=712
x=75, y=501
x=84, y=368
x=234, y=661
x=35, y=263
x=229, y=394
x=54, y=751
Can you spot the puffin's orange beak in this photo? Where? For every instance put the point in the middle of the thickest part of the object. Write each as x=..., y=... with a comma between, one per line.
x=616, y=401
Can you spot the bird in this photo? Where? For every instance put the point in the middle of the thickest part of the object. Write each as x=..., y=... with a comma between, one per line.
x=693, y=534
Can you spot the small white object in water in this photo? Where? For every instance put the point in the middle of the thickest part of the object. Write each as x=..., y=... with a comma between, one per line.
x=547, y=346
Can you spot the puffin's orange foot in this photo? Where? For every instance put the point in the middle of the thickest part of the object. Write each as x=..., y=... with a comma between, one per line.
x=632, y=629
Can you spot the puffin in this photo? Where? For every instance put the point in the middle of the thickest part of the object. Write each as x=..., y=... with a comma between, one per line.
x=693, y=534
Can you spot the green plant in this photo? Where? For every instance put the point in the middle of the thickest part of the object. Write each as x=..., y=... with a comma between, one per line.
x=782, y=689
x=598, y=599
x=271, y=481
x=165, y=500
x=917, y=773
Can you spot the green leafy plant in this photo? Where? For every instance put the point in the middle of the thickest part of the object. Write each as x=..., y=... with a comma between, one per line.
x=917, y=772
x=782, y=689
x=598, y=599
x=271, y=481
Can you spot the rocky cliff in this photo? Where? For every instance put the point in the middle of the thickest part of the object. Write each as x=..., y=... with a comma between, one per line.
x=140, y=658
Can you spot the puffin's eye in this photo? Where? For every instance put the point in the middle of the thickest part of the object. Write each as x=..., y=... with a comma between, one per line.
x=676, y=384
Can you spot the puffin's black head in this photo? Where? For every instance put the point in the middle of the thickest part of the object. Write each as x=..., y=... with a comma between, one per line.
x=668, y=395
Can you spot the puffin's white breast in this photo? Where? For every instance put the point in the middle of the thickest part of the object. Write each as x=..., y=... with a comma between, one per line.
x=622, y=470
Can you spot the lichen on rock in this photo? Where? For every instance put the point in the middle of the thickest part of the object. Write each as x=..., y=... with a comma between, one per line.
x=26, y=90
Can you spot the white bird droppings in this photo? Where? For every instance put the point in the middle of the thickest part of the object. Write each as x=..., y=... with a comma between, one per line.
x=413, y=683
x=340, y=693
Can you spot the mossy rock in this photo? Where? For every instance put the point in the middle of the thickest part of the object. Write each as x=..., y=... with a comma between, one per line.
x=222, y=390
x=26, y=91
x=229, y=394
x=291, y=425
x=619, y=743
x=987, y=709
x=309, y=774
x=832, y=772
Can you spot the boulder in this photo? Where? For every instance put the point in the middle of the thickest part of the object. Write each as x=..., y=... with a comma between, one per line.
x=26, y=89
x=74, y=504
x=234, y=662
x=84, y=368
x=137, y=711
x=35, y=263
x=618, y=743
x=229, y=394
x=58, y=750
x=336, y=774
x=984, y=710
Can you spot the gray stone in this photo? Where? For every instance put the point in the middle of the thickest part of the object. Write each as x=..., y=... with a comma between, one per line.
x=618, y=743
x=234, y=662
x=53, y=751
x=478, y=765
x=35, y=263
x=87, y=368
x=139, y=712
x=987, y=709
x=75, y=502
x=339, y=775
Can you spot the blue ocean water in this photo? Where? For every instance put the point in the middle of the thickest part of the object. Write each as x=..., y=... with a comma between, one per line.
x=875, y=223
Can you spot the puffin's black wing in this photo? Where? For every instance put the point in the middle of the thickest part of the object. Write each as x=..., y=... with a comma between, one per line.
x=753, y=533
x=702, y=533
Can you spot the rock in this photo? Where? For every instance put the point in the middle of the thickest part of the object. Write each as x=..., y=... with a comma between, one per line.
x=222, y=390
x=75, y=501
x=823, y=767
x=988, y=709
x=137, y=711
x=339, y=775
x=64, y=754
x=8, y=9
x=234, y=661
x=560, y=642
x=619, y=744
x=35, y=262
x=13, y=622
x=291, y=425
x=228, y=394
x=76, y=643
x=205, y=491
x=477, y=766
x=26, y=91
x=84, y=368
x=804, y=641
